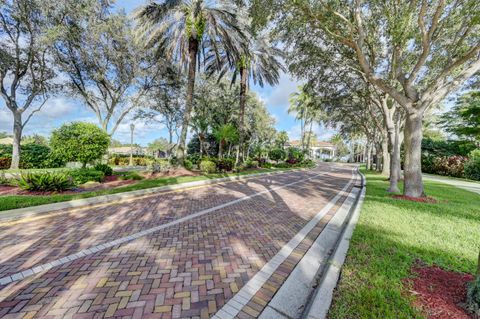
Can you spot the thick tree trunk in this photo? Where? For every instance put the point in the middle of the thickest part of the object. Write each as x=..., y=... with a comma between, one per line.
x=193, y=50
x=369, y=156
x=378, y=165
x=385, y=157
x=17, y=138
x=395, y=166
x=243, y=99
x=413, y=150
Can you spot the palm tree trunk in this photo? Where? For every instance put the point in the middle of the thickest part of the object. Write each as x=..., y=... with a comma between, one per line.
x=243, y=99
x=192, y=51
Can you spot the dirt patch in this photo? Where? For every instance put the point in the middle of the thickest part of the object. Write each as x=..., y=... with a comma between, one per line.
x=8, y=190
x=439, y=293
x=427, y=199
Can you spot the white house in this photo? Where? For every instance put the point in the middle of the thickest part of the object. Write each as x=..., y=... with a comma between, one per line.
x=317, y=150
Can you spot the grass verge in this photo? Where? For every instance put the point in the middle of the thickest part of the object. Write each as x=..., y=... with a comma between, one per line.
x=391, y=234
x=21, y=201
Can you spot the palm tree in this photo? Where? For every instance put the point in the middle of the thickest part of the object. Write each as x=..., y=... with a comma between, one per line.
x=260, y=62
x=225, y=134
x=183, y=31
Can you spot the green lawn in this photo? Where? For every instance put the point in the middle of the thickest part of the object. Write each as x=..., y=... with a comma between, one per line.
x=19, y=201
x=392, y=234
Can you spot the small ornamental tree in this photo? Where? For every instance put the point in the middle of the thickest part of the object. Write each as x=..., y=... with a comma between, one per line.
x=277, y=154
x=81, y=142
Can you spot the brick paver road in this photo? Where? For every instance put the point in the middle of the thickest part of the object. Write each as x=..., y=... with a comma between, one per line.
x=177, y=254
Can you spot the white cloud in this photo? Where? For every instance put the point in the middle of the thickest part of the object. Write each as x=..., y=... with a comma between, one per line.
x=281, y=93
x=59, y=107
x=323, y=133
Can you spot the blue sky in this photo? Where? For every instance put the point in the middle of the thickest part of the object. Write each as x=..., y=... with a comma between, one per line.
x=61, y=109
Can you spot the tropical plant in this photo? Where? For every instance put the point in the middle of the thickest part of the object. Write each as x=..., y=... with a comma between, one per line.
x=225, y=164
x=260, y=62
x=77, y=141
x=45, y=181
x=107, y=170
x=225, y=134
x=159, y=166
x=472, y=166
x=183, y=31
x=134, y=176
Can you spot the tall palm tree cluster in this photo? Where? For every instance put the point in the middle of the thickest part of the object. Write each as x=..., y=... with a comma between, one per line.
x=215, y=35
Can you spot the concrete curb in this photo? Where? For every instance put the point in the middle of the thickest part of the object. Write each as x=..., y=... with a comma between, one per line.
x=104, y=199
x=319, y=304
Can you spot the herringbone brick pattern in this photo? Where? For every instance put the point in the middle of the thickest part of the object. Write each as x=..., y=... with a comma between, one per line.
x=187, y=270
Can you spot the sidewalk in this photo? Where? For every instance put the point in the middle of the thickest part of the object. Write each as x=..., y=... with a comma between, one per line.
x=469, y=186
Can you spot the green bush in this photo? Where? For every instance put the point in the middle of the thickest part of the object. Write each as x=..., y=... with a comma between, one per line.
x=188, y=164
x=252, y=164
x=159, y=165
x=194, y=158
x=131, y=176
x=225, y=164
x=277, y=154
x=283, y=165
x=107, y=170
x=472, y=166
x=267, y=165
x=5, y=162
x=79, y=142
x=208, y=167
x=82, y=175
x=473, y=296
x=34, y=156
x=45, y=181
x=294, y=155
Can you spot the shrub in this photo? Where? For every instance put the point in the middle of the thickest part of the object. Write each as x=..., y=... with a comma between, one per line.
x=34, y=156
x=283, y=165
x=107, y=170
x=225, y=164
x=267, y=165
x=450, y=166
x=473, y=296
x=252, y=164
x=294, y=155
x=159, y=165
x=188, y=164
x=5, y=162
x=83, y=175
x=131, y=176
x=472, y=166
x=308, y=163
x=277, y=154
x=207, y=167
x=45, y=181
x=79, y=142
x=194, y=158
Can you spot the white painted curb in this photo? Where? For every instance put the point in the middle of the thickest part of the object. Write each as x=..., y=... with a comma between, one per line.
x=48, y=208
x=322, y=297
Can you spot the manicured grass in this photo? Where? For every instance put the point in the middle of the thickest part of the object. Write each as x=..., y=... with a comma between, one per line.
x=391, y=235
x=20, y=201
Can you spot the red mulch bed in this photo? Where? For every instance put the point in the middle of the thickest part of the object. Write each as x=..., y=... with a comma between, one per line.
x=427, y=199
x=439, y=293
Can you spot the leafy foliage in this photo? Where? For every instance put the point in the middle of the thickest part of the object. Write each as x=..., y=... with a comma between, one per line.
x=77, y=141
x=83, y=175
x=131, y=176
x=277, y=154
x=107, y=170
x=449, y=166
x=188, y=164
x=464, y=118
x=473, y=296
x=45, y=181
x=472, y=166
x=208, y=167
x=159, y=165
x=225, y=164
x=294, y=155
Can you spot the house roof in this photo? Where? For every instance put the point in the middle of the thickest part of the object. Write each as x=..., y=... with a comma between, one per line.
x=314, y=144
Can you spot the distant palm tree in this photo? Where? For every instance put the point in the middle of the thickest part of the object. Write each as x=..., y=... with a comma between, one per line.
x=260, y=62
x=225, y=134
x=184, y=31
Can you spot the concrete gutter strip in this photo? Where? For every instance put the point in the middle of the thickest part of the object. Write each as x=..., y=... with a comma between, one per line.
x=322, y=298
x=48, y=208
x=294, y=295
